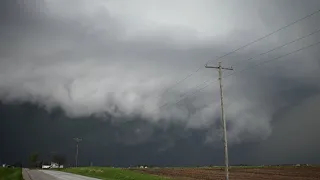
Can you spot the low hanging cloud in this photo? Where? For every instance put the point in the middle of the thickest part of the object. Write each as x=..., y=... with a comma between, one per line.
x=117, y=57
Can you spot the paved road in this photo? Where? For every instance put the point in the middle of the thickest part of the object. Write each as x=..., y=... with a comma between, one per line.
x=51, y=175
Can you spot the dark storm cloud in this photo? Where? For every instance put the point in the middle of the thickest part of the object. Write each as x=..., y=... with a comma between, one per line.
x=46, y=133
x=295, y=136
x=110, y=59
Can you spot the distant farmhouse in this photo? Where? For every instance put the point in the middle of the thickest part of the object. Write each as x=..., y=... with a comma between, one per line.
x=51, y=165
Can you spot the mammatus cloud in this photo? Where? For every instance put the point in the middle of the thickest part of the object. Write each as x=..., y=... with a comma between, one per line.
x=116, y=57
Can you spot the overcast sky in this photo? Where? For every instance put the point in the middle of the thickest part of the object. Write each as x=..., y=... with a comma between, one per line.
x=103, y=70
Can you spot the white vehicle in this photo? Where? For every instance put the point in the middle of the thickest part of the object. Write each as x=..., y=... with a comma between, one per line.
x=44, y=166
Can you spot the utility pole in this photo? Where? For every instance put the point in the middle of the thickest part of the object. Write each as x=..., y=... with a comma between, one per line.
x=77, y=149
x=226, y=156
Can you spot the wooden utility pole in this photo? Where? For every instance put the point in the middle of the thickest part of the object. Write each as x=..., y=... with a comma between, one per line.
x=226, y=157
x=77, y=149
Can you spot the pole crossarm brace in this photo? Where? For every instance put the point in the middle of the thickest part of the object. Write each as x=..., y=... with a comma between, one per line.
x=226, y=156
x=217, y=67
x=77, y=139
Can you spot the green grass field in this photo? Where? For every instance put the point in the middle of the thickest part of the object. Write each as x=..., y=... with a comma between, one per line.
x=10, y=174
x=108, y=173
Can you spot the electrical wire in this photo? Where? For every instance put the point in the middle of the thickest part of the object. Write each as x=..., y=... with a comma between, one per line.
x=243, y=70
x=242, y=47
x=264, y=53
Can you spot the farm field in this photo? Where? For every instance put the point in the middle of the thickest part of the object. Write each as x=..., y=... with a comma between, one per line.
x=10, y=174
x=238, y=173
x=108, y=173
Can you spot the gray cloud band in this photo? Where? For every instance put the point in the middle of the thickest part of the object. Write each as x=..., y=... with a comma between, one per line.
x=97, y=59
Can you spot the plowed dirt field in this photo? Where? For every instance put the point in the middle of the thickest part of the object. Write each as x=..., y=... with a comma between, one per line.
x=264, y=173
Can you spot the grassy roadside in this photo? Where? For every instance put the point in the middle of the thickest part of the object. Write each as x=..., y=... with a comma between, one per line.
x=107, y=173
x=10, y=174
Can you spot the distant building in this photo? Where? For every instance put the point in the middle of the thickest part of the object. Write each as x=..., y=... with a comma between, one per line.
x=143, y=167
x=54, y=165
x=51, y=165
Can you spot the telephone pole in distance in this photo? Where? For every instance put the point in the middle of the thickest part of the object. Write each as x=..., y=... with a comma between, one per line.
x=77, y=149
x=226, y=156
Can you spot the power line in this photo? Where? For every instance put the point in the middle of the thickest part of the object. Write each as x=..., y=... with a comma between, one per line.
x=242, y=47
x=290, y=69
x=281, y=46
x=268, y=61
x=250, y=67
x=264, y=53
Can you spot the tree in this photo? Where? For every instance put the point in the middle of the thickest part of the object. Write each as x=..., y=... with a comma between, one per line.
x=34, y=158
x=60, y=159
